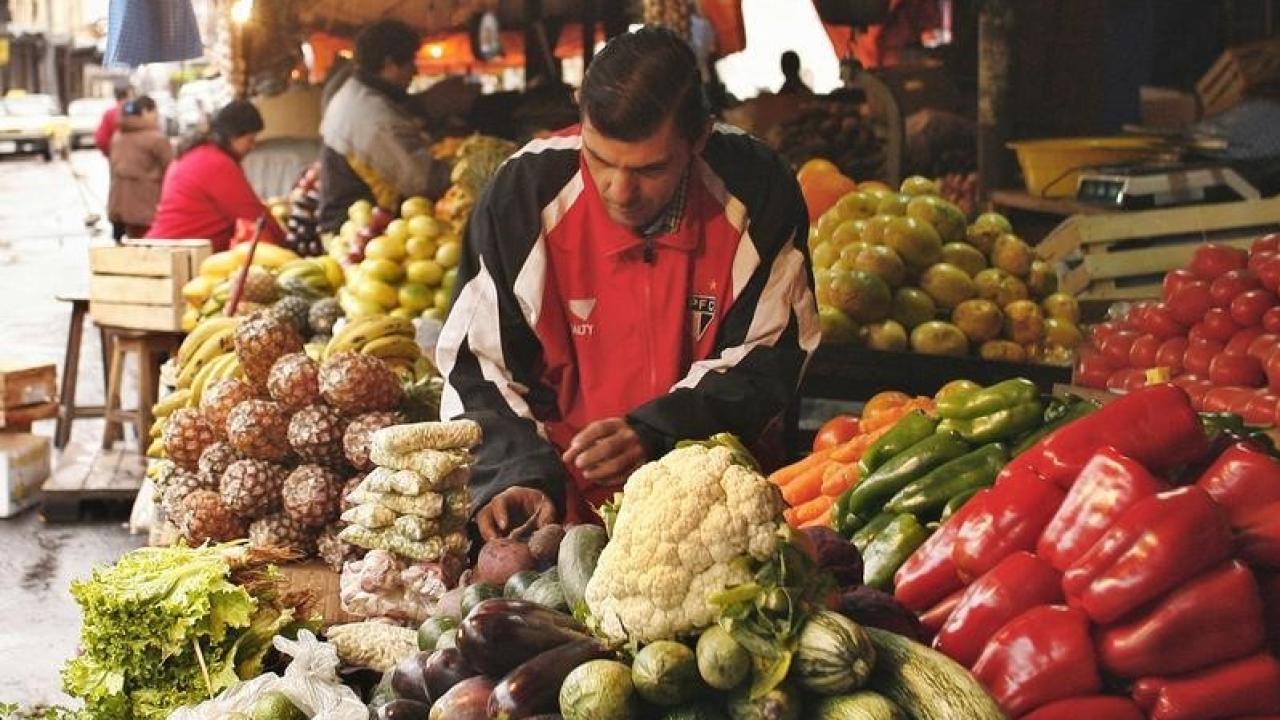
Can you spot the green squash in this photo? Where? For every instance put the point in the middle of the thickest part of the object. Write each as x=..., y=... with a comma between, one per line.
x=431, y=629
x=599, y=690
x=547, y=591
x=834, y=655
x=697, y=711
x=863, y=705
x=779, y=703
x=447, y=639
x=576, y=561
x=722, y=661
x=518, y=583
x=665, y=672
x=477, y=593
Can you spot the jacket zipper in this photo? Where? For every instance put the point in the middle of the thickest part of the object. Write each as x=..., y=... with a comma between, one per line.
x=648, y=327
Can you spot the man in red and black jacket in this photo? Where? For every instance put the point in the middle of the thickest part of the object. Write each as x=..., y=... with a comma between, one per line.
x=630, y=282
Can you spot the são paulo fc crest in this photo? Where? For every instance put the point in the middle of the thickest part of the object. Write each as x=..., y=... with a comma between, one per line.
x=702, y=310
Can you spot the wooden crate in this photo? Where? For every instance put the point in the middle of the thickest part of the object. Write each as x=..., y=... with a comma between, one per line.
x=138, y=285
x=26, y=384
x=1240, y=72
x=322, y=582
x=1124, y=256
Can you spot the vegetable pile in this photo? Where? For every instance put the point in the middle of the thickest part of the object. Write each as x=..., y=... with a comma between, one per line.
x=166, y=627
x=1126, y=551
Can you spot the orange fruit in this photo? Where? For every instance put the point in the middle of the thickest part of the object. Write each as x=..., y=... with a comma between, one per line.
x=823, y=190
x=880, y=402
x=814, y=166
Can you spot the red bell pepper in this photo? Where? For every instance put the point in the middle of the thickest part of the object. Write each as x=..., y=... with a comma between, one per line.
x=929, y=575
x=1020, y=582
x=935, y=617
x=1011, y=518
x=1156, y=545
x=1155, y=426
x=1042, y=655
x=1093, y=707
x=1249, y=686
x=1106, y=487
x=1214, y=618
x=1246, y=482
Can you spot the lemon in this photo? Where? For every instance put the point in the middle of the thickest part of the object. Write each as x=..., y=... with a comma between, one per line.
x=420, y=248
x=414, y=207
x=380, y=269
x=424, y=226
x=378, y=292
x=397, y=229
x=825, y=255
x=349, y=230
x=443, y=298
x=332, y=269
x=403, y=313
x=434, y=314
x=449, y=254
x=416, y=297
x=426, y=272
x=450, y=276
x=360, y=208
x=357, y=307
x=385, y=247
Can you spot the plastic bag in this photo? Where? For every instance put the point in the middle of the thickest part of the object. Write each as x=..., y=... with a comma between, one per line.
x=310, y=682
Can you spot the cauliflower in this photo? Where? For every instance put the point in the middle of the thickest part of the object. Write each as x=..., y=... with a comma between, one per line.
x=687, y=521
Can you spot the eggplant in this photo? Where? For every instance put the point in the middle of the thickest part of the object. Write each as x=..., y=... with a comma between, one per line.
x=468, y=700
x=497, y=637
x=534, y=687
x=409, y=678
x=443, y=669
x=404, y=710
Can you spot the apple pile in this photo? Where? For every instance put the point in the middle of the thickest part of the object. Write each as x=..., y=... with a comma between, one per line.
x=1216, y=331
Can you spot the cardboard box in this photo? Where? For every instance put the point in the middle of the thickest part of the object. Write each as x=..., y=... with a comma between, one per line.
x=24, y=466
x=1251, y=70
x=322, y=582
x=138, y=285
x=23, y=383
x=1168, y=108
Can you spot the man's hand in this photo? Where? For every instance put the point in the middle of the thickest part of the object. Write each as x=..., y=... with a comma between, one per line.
x=515, y=511
x=606, y=451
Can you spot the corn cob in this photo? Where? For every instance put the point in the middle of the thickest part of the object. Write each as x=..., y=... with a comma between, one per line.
x=377, y=645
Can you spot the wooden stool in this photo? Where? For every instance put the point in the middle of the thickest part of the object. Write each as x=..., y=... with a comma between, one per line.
x=149, y=346
x=68, y=411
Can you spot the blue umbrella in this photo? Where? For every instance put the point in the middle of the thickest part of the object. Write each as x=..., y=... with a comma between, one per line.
x=147, y=31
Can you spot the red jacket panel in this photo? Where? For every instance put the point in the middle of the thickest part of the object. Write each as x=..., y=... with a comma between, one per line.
x=205, y=191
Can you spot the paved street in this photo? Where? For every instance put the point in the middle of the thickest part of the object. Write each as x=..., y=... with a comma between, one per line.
x=43, y=243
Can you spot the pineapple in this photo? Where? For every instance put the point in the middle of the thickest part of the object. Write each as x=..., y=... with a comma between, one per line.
x=293, y=381
x=215, y=459
x=183, y=483
x=295, y=310
x=345, y=502
x=322, y=315
x=218, y=400
x=279, y=530
x=259, y=286
x=186, y=435
x=251, y=488
x=355, y=441
x=357, y=383
x=315, y=433
x=311, y=494
x=335, y=552
x=260, y=340
x=205, y=519
x=260, y=430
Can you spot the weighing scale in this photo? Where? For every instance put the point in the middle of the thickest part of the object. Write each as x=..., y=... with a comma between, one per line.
x=1152, y=185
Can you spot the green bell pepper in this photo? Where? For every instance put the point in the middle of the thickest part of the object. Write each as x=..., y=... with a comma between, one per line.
x=868, y=532
x=1059, y=412
x=956, y=503
x=843, y=521
x=1008, y=393
x=911, y=429
x=890, y=549
x=868, y=496
x=929, y=494
x=1004, y=424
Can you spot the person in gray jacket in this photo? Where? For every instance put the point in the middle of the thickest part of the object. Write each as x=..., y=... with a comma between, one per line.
x=374, y=149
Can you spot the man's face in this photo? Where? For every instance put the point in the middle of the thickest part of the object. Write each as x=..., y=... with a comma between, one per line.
x=400, y=76
x=637, y=179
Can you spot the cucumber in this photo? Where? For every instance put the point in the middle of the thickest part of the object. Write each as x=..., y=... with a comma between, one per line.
x=865, y=705
x=579, y=551
x=926, y=684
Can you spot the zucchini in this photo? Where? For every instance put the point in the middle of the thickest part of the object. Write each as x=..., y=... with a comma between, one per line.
x=477, y=593
x=833, y=654
x=864, y=705
x=546, y=591
x=518, y=583
x=926, y=684
x=576, y=560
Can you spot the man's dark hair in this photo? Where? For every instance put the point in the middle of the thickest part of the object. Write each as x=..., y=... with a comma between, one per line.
x=122, y=92
x=790, y=63
x=639, y=80
x=139, y=105
x=385, y=40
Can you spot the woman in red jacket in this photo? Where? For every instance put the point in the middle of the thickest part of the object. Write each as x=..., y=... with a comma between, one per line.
x=205, y=190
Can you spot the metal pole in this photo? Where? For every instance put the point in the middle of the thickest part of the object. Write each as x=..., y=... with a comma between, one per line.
x=995, y=35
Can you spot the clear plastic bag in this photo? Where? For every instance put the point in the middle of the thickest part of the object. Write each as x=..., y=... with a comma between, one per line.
x=310, y=682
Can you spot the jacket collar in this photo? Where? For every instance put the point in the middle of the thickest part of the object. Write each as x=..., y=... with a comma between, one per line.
x=669, y=229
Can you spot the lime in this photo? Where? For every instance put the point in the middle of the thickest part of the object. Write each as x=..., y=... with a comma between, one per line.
x=414, y=207
x=381, y=269
x=415, y=297
x=426, y=272
x=449, y=254
x=420, y=248
x=424, y=226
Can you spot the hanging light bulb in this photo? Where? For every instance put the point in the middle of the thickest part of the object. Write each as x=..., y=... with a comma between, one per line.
x=241, y=11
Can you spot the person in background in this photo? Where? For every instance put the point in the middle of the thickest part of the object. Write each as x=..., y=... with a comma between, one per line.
x=102, y=140
x=140, y=153
x=374, y=149
x=792, y=84
x=205, y=190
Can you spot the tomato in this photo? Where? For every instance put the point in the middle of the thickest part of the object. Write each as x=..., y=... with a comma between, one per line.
x=1267, y=243
x=1190, y=302
x=1219, y=326
x=1136, y=318
x=1263, y=346
x=1228, y=285
x=1197, y=391
x=1228, y=399
x=1102, y=331
x=1211, y=260
x=1170, y=353
x=1175, y=279
x=1092, y=370
x=1142, y=354
x=1116, y=348
x=1126, y=379
x=1247, y=309
x=1257, y=259
x=1159, y=321
x=1197, y=332
x=836, y=431
x=1271, y=320
x=1239, y=370
x=1268, y=272
x=1199, y=354
x=1272, y=367
x=1240, y=342
x=1261, y=410
x=1186, y=380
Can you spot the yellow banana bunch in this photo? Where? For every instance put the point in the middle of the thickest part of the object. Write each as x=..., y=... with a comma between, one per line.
x=172, y=401
x=201, y=333
x=360, y=333
x=222, y=367
x=208, y=347
x=306, y=277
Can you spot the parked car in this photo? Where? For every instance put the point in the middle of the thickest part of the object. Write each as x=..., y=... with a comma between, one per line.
x=32, y=124
x=84, y=115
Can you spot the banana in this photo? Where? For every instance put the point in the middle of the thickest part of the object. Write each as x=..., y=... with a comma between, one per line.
x=424, y=368
x=202, y=331
x=357, y=333
x=210, y=373
x=223, y=341
x=393, y=346
x=171, y=402
x=156, y=450
x=157, y=427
